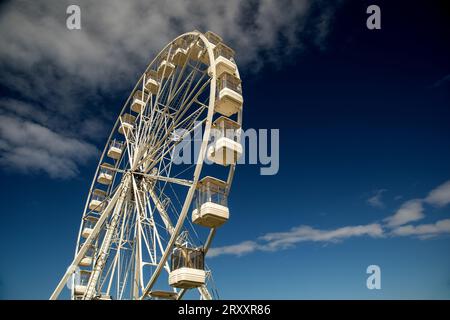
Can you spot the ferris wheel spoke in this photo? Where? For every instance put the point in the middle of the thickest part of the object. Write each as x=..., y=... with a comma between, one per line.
x=141, y=199
x=150, y=249
x=182, y=110
x=84, y=248
x=187, y=85
x=172, y=146
x=104, y=249
x=183, y=68
x=126, y=250
x=165, y=217
x=161, y=93
x=189, y=99
x=181, y=182
x=162, y=211
x=170, y=243
x=116, y=259
x=190, y=77
x=179, y=78
x=204, y=292
x=156, y=242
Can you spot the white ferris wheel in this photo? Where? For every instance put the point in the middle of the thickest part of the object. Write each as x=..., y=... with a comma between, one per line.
x=148, y=222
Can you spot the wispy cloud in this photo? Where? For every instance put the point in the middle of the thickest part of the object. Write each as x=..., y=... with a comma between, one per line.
x=441, y=82
x=239, y=249
x=376, y=199
x=396, y=225
x=284, y=240
x=30, y=147
x=413, y=210
x=440, y=196
x=424, y=231
x=306, y=233
x=409, y=211
x=60, y=78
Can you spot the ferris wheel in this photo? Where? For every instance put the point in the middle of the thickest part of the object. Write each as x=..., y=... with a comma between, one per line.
x=149, y=219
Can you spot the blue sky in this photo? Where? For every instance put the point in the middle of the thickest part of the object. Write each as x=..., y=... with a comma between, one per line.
x=364, y=135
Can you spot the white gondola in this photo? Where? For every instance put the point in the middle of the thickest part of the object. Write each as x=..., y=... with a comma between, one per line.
x=180, y=53
x=126, y=123
x=167, y=295
x=139, y=101
x=86, y=232
x=115, y=149
x=97, y=200
x=187, y=268
x=226, y=148
x=81, y=285
x=194, y=49
x=180, y=56
x=86, y=262
x=187, y=278
x=229, y=95
x=151, y=82
x=210, y=203
x=80, y=289
x=214, y=40
x=106, y=174
x=165, y=68
x=88, y=226
x=223, y=59
x=203, y=56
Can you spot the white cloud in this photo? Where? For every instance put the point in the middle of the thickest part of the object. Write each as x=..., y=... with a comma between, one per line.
x=439, y=196
x=60, y=78
x=119, y=37
x=239, y=249
x=376, y=199
x=441, y=82
x=23, y=109
x=411, y=210
x=306, y=233
x=283, y=240
x=424, y=231
x=30, y=147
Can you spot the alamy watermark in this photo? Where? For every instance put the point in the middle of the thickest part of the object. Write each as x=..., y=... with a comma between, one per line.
x=73, y=21
x=374, y=20
x=250, y=146
x=374, y=280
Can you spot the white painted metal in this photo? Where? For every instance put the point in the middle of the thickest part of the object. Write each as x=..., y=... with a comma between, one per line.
x=187, y=278
x=126, y=238
x=210, y=215
x=86, y=262
x=224, y=151
x=115, y=150
x=229, y=102
x=165, y=69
